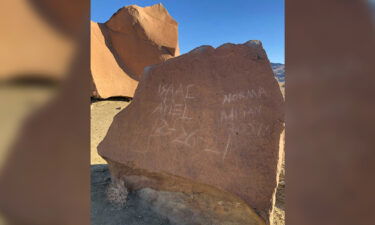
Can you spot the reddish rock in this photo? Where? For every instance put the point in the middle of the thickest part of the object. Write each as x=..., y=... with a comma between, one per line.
x=212, y=115
x=132, y=39
x=109, y=79
x=140, y=37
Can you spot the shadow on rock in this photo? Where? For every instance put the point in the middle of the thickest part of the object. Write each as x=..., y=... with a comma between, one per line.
x=151, y=206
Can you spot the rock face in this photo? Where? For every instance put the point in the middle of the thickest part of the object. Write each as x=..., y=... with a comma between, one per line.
x=151, y=206
x=142, y=36
x=212, y=115
x=108, y=78
x=133, y=38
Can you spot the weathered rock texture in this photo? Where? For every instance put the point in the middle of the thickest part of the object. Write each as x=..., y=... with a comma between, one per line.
x=142, y=36
x=195, y=204
x=212, y=115
x=133, y=38
x=108, y=77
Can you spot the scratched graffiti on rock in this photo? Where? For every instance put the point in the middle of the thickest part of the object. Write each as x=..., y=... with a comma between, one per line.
x=174, y=117
x=244, y=95
x=234, y=113
x=173, y=111
x=174, y=101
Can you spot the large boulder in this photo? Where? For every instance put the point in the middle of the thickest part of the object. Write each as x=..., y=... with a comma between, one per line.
x=212, y=115
x=109, y=78
x=141, y=37
x=133, y=38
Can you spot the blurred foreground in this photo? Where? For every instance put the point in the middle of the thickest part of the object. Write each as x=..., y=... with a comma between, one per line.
x=44, y=88
x=44, y=136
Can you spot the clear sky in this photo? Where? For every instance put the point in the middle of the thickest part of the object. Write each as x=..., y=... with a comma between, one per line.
x=215, y=22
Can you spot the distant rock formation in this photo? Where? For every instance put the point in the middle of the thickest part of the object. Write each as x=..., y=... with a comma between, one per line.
x=279, y=71
x=212, y=115
x=134, y=38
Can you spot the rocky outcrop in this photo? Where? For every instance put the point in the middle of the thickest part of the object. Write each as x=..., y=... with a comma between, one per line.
x=279, y=71
x=212, y=115
x=133, y=38
x=109, y=79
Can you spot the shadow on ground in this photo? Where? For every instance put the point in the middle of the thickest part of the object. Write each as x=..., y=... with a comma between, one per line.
x=105, y=213
x=191, y=204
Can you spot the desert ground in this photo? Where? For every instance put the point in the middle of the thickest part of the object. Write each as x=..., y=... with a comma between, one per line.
x=102, y=113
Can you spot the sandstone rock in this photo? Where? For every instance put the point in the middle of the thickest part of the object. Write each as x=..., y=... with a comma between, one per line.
x=199, y=205
x=132, y=39
x=108, y=77
x=140, y=37
x=212, y=115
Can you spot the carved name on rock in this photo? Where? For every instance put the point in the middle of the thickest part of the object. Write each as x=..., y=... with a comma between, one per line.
x=212, y=115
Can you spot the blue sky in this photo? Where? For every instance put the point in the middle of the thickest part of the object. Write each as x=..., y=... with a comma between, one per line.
x=215, y=22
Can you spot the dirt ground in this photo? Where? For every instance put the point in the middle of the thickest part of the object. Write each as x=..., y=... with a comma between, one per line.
x=102, y=113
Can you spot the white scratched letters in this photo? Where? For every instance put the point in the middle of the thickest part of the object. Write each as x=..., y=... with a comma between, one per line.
x=244, y=95
x=174, y=119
